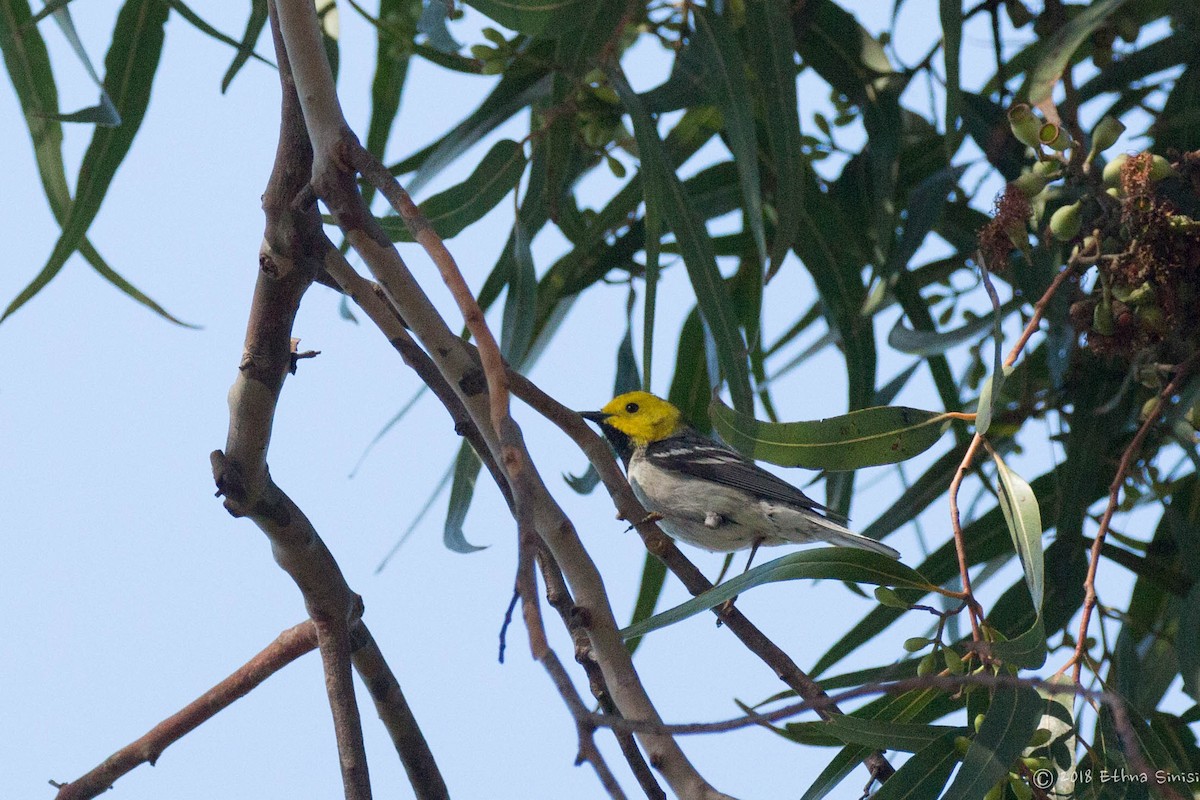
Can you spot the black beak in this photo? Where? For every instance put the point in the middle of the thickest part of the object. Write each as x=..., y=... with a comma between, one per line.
x=620, y=443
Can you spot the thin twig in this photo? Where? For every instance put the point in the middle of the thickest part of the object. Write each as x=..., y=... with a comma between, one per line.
x=1132, y=451
x=287, y=647
x=975, y=612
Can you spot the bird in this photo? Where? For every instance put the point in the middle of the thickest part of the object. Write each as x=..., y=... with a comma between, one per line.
x=707, y=494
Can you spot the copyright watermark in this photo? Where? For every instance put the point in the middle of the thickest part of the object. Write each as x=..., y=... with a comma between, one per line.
x=1046, y=778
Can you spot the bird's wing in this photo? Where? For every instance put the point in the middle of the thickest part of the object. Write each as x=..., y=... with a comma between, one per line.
x=692, y=454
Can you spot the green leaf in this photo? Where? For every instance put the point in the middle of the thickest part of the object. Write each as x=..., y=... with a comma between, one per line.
x=104, y=112
x=654, y=576
x=520, y=85
x=1024, y=520
x=516, y=329
x=254, y=28
x=927, y=343
x=454, y=209
x=872, y=436
x=988, y=394
x=1009, y=723
x=130, y=66
x=466, y=472
x=925, y=205
x=832, y=563
x=391, y=70
x=772, y=54
x=723, y=75
x=951, y=13
x=1041, y=79
x=550, y=18
x=1187, y=644
x=911, y=737
x=416, y=521
x=923, y=775
x=201, y=25
x=822, y=243
x=920, y=703
x=847, y=759
x=664, y=189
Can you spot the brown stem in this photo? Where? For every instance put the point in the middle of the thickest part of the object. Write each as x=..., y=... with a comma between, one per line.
x=333, y=637
x=290, y=645
x=1114, y=490
x=292, y=251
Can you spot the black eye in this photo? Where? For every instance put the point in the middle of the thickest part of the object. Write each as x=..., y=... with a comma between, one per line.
x=631, y=408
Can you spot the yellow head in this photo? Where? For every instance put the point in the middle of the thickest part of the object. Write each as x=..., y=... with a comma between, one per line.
x=641, y=416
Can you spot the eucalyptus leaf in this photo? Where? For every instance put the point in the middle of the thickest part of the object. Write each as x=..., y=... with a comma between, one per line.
x=832, y=563
x=870, y=437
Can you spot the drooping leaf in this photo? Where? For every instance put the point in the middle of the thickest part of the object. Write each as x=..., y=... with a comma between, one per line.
x=130, y=66
x=925, y=774
x=105, y=111
x=204, y=27
x=416, y=521
x=665, y=190
x=833, y=563
x=714, y=58
x=466, y=472
x=1057, y=55
x=516, y=330
x=925, y=204
x=391, y=70
x=254, y=28
x=518, y=87
x=28, y=66
x=452, y=210
x=432, y=23
x=550, y=18
x=879, y=734
x=872, y=436
x=768, y=26
x=951, y=13
x=1010, y=721
x=926, y=343
x=654, y=577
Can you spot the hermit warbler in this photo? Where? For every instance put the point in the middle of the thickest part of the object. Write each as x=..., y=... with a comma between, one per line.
x=707, y=494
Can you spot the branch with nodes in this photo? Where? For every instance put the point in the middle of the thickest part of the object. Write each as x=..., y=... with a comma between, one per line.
x=287, y=647
x=1128, y=458
x=290, y=258
x=974, y=610
x=337, y=158
x=374, y=303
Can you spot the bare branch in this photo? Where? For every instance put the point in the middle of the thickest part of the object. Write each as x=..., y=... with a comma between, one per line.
x=337, y=150
x=290, y=645
x=292, y=254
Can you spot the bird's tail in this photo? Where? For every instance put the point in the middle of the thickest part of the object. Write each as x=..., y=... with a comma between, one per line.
x=835, y=534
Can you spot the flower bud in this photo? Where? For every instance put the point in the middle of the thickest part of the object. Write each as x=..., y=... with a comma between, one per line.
x=888, y=597
x=1161, y=168
x=1105, y=134
x=1025, y=124
x=1066, y=221
x=1112, y=170
x=926, y=666
x=915, y=644
x=1030, y=184
x=1048, y=169
x=1102, y=319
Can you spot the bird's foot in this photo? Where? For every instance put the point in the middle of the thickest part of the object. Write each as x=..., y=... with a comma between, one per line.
x=653, y=516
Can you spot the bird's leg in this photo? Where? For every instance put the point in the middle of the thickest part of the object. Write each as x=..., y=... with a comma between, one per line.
x=653, y=516
x=724, y=568
x=728, y=604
